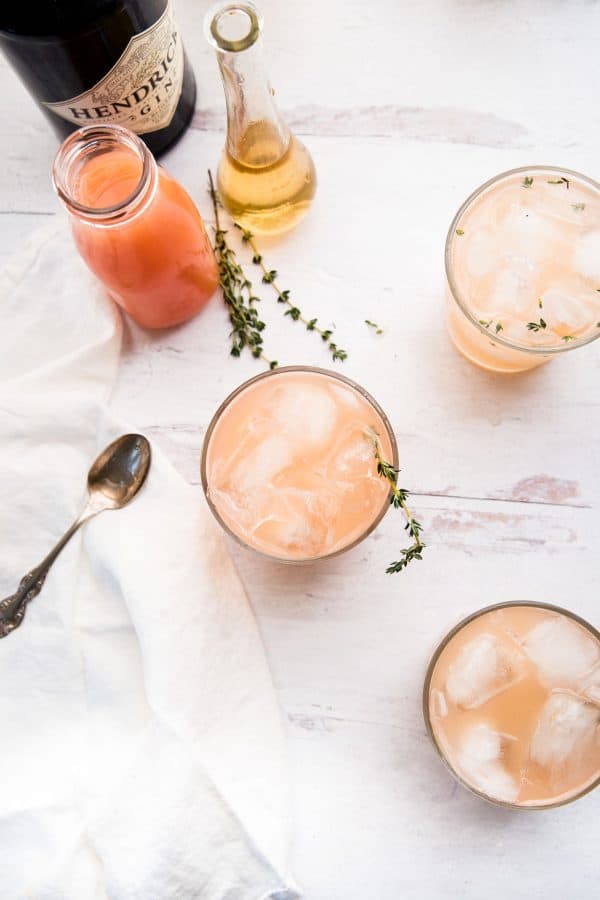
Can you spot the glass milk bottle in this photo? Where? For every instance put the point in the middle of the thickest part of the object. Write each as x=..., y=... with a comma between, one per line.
x=135, y=226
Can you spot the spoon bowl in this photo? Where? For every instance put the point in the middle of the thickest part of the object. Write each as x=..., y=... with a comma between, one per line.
x=120, y=470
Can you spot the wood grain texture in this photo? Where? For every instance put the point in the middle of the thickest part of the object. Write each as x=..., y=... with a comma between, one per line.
x=406, y=108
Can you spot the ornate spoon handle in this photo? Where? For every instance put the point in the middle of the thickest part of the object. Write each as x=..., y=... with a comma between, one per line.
x=12, y=609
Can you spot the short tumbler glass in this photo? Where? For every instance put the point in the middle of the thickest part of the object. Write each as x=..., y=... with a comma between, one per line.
x=523, y=268
x=511, y=702
x=288, y=464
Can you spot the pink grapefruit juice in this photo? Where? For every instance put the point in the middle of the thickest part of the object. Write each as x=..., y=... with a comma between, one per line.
x=513, y=703
x=289, y=468
x=137, y=229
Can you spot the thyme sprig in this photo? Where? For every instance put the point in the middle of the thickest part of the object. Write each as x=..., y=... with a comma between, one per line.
x=398, y=501
x=487, y=323
x=246, y=324
x=527, y=181
x=537, y=326
x=561, y=180
x=283, y=296
x=377, y=328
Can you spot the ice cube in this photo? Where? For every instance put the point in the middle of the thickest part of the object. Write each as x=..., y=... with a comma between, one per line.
x=565, y=207
x=587, y=256
x=292, y=533
x=297, y=521
x=566, y=313
x=527, y=233
x=437, y=704
x=514, y=291
x=480, y=252
x=307, y=414
x=589, y=686
x=484, y=667
x=566, y=731
x=479, y=761
x=562, y=651
x=260, y=465
x=345, y=396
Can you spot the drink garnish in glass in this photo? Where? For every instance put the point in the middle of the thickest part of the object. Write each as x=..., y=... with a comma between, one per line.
x=523, y=268
x=512, y=704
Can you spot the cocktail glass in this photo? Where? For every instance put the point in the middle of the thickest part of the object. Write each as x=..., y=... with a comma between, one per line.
x=511, y=702
x=288, y=464
x=523, y=268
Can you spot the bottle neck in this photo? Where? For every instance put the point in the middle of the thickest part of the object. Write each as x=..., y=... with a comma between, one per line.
x=257, y=136
x=104, y=175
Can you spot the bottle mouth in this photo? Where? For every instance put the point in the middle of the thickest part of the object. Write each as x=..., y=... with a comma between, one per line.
x=233, y=27
x=77, y=173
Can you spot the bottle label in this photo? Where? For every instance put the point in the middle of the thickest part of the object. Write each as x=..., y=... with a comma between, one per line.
x=142, y=89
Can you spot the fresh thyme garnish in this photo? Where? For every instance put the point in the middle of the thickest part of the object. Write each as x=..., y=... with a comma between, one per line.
x=487, y=323
x=527, y=181
x=459, y=232
x=246, y=325
x=536, y=326
x=561, y=180
x=579, y=207
x=567, y=337
x=540, y=304
x=269, y=276
x=398, y=501
x=378, y=329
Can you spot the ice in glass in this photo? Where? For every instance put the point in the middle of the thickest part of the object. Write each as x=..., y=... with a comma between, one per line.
x=512, y=702
x=288, y=464
x=523, y=268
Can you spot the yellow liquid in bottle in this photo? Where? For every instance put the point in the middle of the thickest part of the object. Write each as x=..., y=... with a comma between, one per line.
x=265, y=187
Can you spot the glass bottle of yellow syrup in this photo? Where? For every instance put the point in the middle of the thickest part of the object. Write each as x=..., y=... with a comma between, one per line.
x=266, y=177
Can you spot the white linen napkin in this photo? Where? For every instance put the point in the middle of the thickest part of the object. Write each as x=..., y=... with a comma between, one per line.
x=141, y=749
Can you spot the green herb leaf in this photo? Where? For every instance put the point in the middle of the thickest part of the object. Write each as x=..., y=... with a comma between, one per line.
x=269, y=277
x=398, y=500
x=246, y=326
x=527, y=181
x=459, y=232
x=536, y=326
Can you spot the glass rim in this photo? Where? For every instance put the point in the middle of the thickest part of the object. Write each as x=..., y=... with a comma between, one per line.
x=218, y=40
x=273, y=374
x=85, y=139
x=427, y=713
x=456, y=294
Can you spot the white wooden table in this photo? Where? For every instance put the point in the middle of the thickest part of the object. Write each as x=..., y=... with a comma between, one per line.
x=406, y=107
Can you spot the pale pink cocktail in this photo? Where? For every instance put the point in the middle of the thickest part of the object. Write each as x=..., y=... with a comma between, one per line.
x=288, y=464
x=523, y=268
x=512, y=703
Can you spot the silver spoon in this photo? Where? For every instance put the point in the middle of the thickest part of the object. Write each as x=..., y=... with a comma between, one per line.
x=113, y=480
